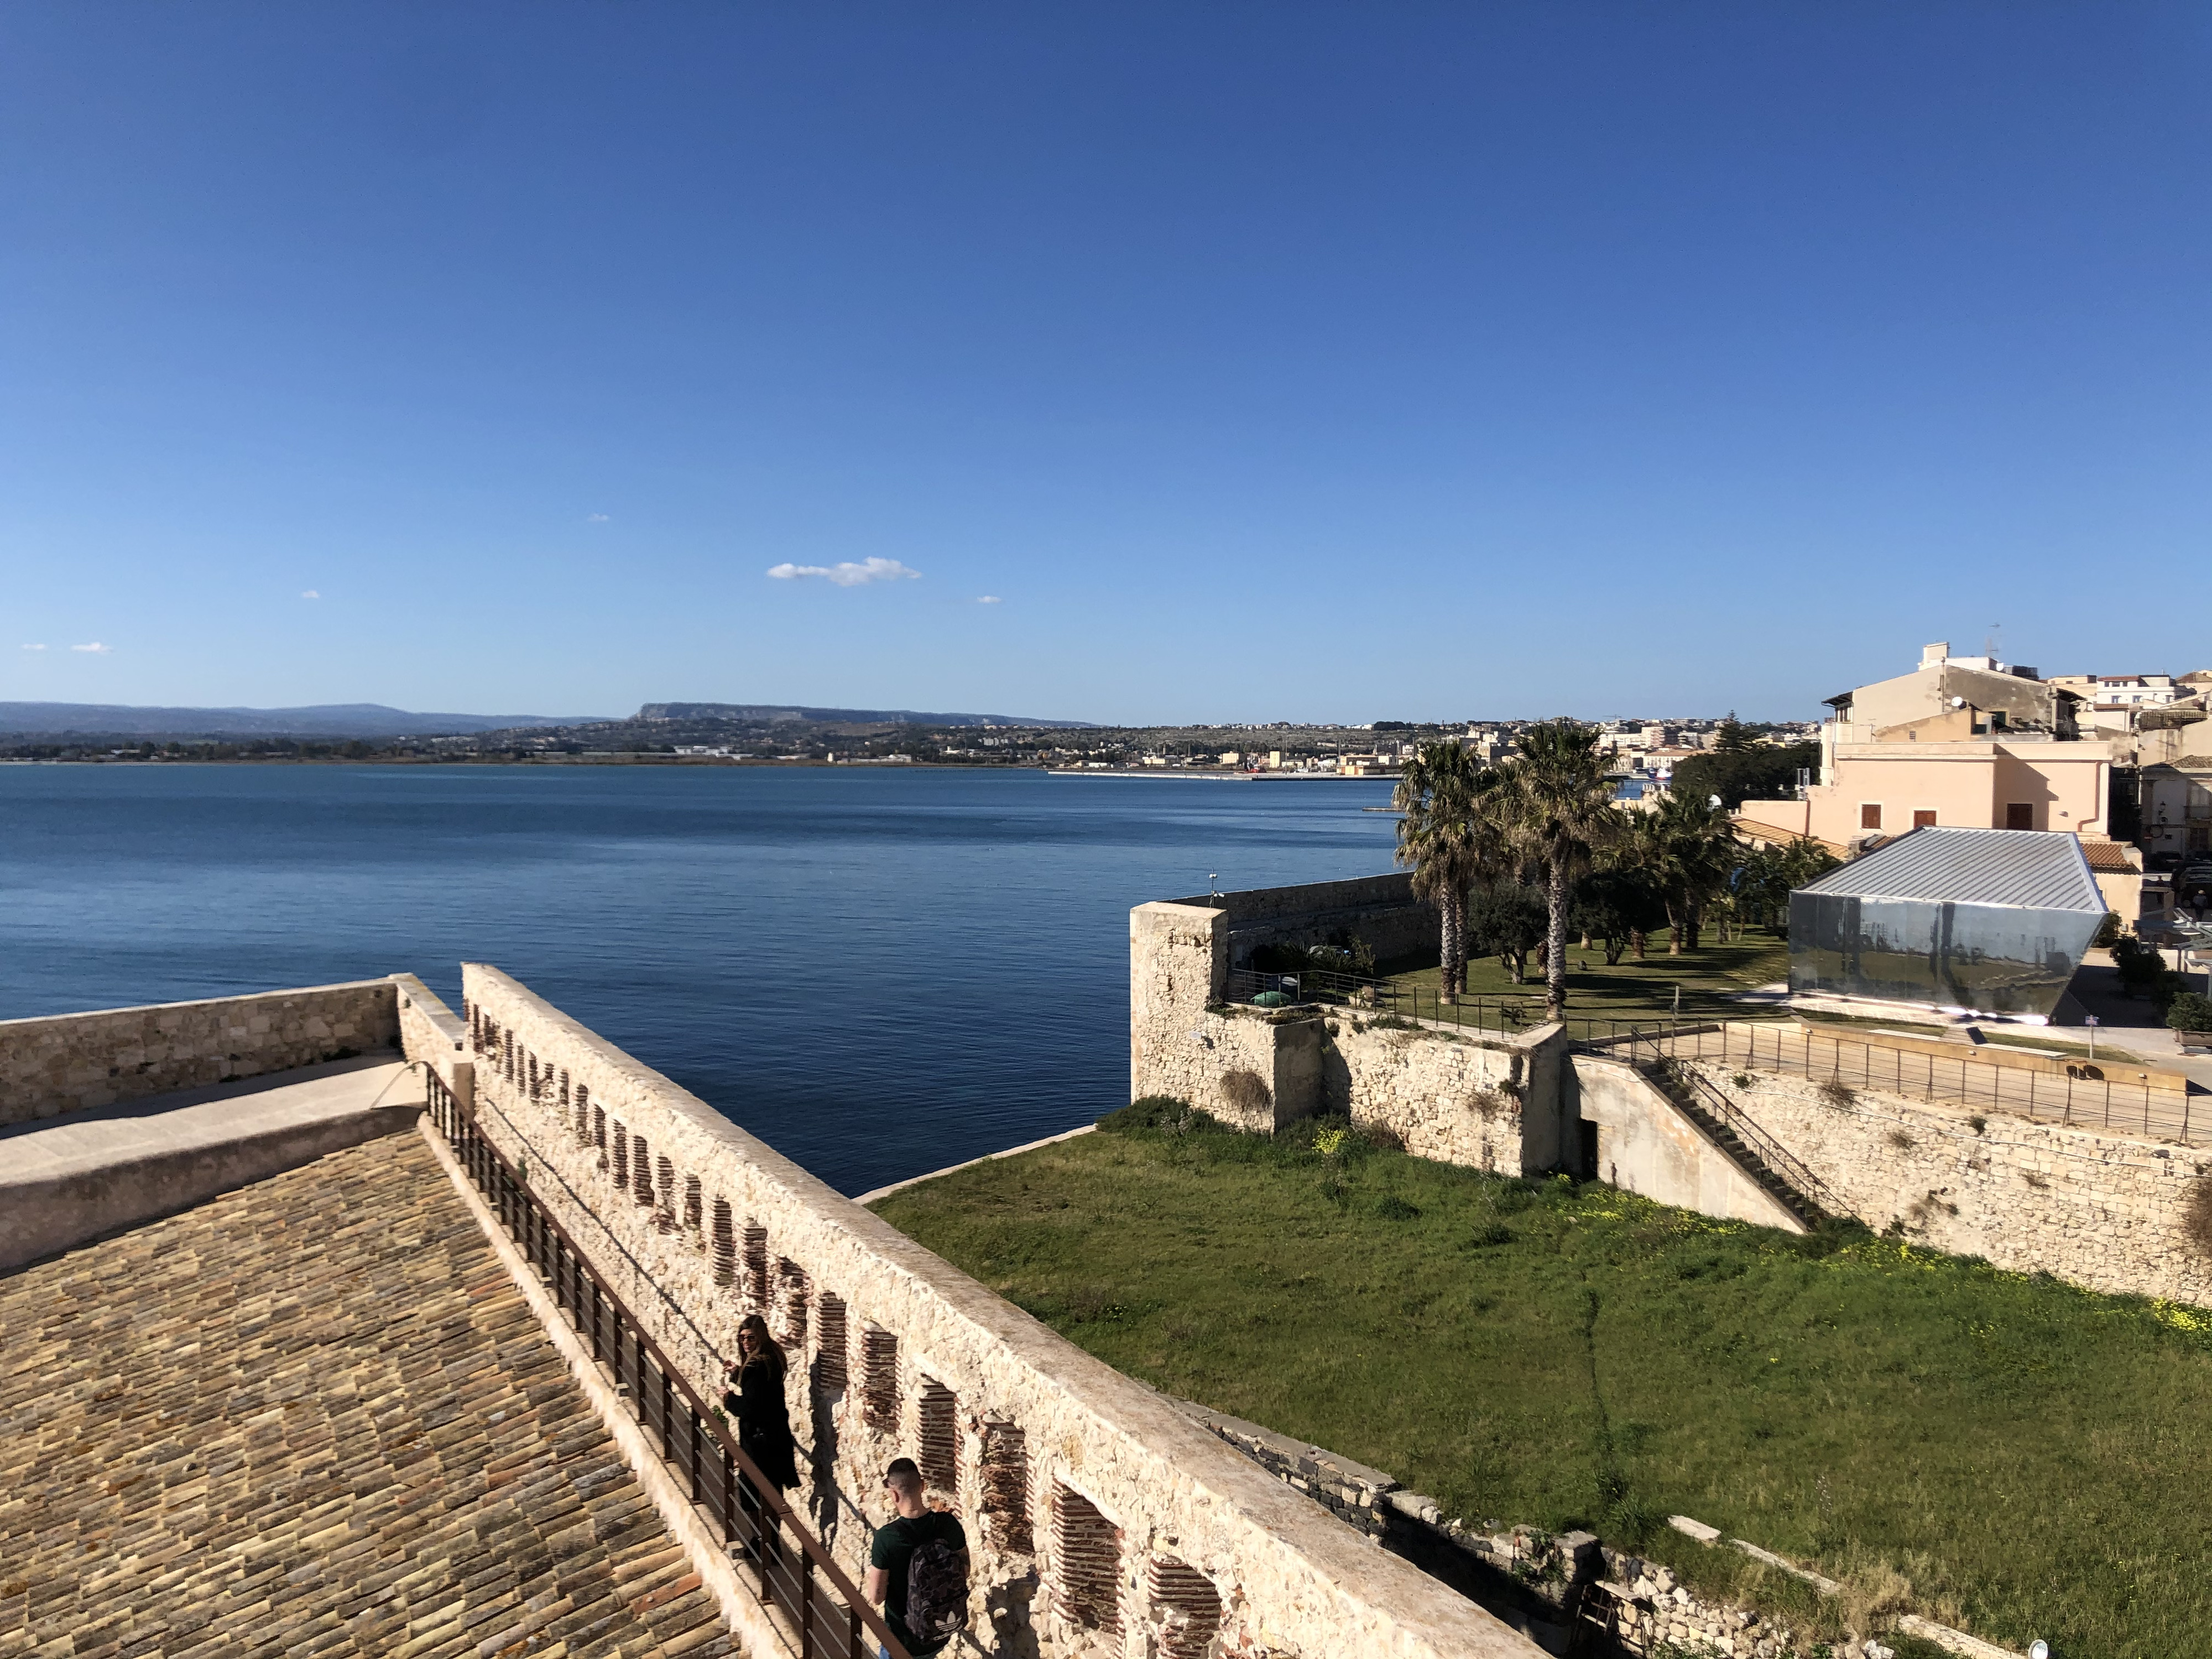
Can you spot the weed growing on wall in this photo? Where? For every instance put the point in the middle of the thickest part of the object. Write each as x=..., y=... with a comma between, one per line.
x=2196, y=1218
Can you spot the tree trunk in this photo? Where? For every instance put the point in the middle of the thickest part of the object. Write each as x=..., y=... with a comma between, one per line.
x=1451, y=948
x=1696, y=919
x=1637, y=940
x=1613, y=947
x=1673, y=929
x=1555, y=947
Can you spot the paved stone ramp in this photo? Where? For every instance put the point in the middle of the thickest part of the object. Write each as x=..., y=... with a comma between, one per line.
x=314, y=1416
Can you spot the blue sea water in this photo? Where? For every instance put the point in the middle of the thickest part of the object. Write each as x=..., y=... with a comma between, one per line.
x=878, y=972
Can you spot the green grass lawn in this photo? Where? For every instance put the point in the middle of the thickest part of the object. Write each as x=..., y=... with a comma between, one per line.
x=1637, y=990
x=2020, y=1457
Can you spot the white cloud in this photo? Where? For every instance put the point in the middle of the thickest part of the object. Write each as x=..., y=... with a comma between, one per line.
x=595, y=517
x=989, y=598
x=847, y=574
x=34, y=648
x=95, y=647
x=311, y=594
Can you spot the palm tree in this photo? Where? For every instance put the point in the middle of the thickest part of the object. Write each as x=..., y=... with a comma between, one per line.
x=1445, y=836
x=1561, y=807
x=1694, y=850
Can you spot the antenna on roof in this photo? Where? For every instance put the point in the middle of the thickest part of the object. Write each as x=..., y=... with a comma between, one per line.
x=1990, y=644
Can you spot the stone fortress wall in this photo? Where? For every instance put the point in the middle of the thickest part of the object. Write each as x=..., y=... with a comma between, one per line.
x=73, y=1062
x=2103, y=1210
x=1103, y=1519
x=1460, y=1096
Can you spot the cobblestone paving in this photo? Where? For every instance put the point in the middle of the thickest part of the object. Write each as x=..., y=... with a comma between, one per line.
x=314, y=1416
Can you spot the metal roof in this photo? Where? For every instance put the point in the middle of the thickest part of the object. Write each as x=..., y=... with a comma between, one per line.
x=2025, y=869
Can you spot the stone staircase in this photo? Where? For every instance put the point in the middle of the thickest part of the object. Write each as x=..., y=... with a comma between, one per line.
x=1756, y=1153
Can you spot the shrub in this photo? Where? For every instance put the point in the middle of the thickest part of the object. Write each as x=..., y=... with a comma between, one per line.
x=1978, y=1123
x=1246, y=1092
x=1391, y=1207
x=1382, y=1137
x=1155, y=1115
x=2108, y=932
x=2189, y=1011
x=1902, y=1141
x=2196, y=1218
x=1838, y=1094
x=1744, y=1080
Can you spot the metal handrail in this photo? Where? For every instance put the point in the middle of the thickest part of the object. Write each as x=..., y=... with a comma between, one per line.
x=812, y=1592
x=1325, y=988
x=2083, y=1097
x=1786, y=1165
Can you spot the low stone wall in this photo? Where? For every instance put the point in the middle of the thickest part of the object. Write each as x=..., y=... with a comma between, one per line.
x=1102, y=1518
x=433, y=1034
x=2101, y=1210
x=69, y=1063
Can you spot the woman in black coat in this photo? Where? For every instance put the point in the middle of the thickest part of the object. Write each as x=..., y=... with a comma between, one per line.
x=756, y=1401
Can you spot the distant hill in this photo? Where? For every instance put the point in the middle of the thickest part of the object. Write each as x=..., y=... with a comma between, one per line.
x=754, y=713
x=329, y=720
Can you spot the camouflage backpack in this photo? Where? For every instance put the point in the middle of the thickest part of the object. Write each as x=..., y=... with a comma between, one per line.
x=936, y=1592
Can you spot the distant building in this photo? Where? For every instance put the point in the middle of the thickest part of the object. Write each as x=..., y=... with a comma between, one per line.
x=1963, y=743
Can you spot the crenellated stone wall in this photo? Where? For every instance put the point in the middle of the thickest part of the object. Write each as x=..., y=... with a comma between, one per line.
x=2099, y=1209
x=1103, y=1519
x=70, y=1062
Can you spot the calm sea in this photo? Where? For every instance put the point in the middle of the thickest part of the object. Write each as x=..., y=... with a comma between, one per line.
x=878, y=972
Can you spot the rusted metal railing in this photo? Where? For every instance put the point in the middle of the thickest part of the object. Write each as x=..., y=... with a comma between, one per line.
x=820, y=1613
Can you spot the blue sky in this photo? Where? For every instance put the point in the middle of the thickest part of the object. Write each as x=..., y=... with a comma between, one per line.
x=1334, y=363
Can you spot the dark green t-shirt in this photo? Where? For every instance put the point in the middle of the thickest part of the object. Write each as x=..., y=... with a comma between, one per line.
x=893, y=1552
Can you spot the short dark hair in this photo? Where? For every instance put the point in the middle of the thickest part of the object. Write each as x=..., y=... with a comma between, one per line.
x=902, y=1472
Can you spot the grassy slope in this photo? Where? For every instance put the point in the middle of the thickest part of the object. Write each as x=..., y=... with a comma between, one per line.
x=2027, y=1455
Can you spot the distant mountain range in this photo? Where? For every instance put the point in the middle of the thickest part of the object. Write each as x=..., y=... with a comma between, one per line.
x=375, y=720
x=329, y=720
x=756, y=714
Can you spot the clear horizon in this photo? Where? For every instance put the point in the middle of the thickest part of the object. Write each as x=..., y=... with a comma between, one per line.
x=1129, y=365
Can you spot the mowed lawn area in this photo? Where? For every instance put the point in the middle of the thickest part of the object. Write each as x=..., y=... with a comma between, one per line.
x=1708, y=977
x=2009, y=1453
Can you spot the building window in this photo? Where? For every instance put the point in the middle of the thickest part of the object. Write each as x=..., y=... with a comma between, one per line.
x=1924, y=817
x=2200, y=841
x=2020, y=815
x=1871, y=815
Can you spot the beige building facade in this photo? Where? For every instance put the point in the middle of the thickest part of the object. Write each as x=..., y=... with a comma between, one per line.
x=1959, y=742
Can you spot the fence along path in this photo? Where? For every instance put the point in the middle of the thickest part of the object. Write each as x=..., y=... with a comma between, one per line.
x=2083, y=1097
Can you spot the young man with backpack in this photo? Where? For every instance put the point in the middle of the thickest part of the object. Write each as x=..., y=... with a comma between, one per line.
x=918, y=1567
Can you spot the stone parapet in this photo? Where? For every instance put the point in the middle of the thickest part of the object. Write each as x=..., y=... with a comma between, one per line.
x=1099, y=1514
x=70, y=1062
x=433, y=1035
